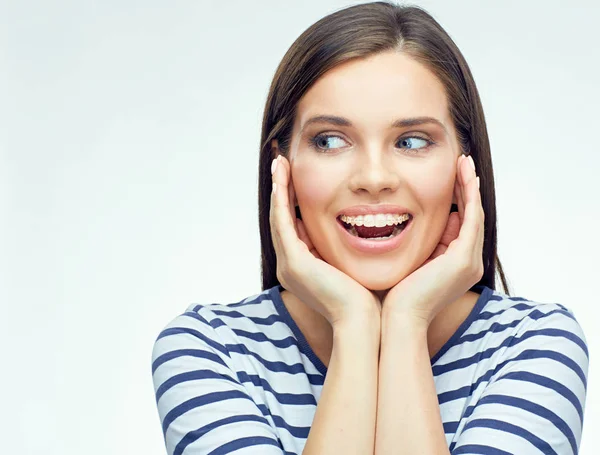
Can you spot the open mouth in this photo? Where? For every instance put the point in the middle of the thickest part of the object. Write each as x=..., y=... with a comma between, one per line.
x=374, y=232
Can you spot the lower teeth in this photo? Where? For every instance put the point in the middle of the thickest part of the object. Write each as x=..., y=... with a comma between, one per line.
x=396, y=231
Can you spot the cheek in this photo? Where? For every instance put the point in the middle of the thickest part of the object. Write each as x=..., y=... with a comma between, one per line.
x=312, y=186
x=435, y=185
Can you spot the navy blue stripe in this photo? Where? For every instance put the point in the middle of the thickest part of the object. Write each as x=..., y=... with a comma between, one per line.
x=537, y=314
x=488, y=353
x=498, y=328
x=269, y=320
x=195, y=333
x=296, y=431
x=545, y=381
x=226, y=310
x=283, y=398
x=191, y=376
x=450, y=427
x=313, y=379
x=260, y=298
x=465, y=391
x=559, y=333
x=277, y=366
x=563, y=307
x=518, y=307
x=478, y=449
x=186, y=352
x=517, y=299
x=513, y=429
x=193, y=436
x=258, y=321
x=544, y=354
x=529, y=406
x=243, y=442
x=462, y=392
x=513, y=341
x=260, y=337
x=251, y=300
x=200, y=401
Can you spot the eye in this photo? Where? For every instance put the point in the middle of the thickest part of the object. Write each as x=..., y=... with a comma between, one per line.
x=410, y=140
x=320, y=141
x=317, y=142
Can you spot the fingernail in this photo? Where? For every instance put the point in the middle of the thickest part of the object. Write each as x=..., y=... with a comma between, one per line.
x=477, y=182
x=274, y=188
x=274, y=165
x=472, y=162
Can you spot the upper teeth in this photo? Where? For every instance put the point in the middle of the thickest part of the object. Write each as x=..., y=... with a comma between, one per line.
x=378, y=220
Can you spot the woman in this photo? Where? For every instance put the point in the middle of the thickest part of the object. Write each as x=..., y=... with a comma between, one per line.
x=379, y=328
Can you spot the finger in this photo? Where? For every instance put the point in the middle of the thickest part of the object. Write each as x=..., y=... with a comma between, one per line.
x=479, y=220
x=458, y=191
x=472, y=221
x=282, y=225
x=292, y=197
x=452, y=230
x=459, y=200
x=306, y=239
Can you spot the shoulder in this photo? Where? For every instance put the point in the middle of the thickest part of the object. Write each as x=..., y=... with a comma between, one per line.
x=525, y=315
x=213, y=327
x=542, y=334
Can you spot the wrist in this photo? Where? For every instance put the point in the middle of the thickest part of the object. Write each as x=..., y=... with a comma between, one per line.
x=358, y=323
x=405, y=321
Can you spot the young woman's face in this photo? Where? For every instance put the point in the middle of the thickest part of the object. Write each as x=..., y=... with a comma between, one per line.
x=370, y=162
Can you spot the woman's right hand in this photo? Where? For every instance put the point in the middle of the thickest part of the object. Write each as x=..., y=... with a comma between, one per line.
x=300, y=268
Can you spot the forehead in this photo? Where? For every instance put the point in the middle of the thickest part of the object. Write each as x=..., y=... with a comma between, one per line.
x=376, y=90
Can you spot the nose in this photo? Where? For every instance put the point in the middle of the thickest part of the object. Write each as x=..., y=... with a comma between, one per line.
x=374, y=173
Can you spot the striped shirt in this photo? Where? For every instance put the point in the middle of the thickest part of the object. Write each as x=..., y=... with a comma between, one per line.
x=242, y=378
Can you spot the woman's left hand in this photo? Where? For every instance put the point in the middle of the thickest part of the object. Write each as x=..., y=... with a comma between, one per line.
x=455, y=265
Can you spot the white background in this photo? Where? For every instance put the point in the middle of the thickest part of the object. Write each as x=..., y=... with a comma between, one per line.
x=129, y=136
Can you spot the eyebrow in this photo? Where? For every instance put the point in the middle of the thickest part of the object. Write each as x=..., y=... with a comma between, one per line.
x=400, y=123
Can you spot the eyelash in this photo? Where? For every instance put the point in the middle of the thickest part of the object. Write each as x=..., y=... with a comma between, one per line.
x=312, y=142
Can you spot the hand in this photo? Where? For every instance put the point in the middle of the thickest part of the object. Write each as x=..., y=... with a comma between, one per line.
x=300, y=268
x=455, y=265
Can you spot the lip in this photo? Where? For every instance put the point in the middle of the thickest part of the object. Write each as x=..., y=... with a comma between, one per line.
x=374, y=246
x=373, y=210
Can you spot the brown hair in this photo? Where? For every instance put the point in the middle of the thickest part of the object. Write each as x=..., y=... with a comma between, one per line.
x=360, y=31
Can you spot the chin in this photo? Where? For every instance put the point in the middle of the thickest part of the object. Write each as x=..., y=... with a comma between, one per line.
x=376, y=280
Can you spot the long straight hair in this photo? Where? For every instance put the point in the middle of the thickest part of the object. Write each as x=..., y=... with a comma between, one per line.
x=361, y=31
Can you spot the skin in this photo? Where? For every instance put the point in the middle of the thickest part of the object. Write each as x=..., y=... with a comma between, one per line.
x=371, y=163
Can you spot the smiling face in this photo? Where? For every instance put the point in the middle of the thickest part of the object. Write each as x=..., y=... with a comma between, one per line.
x=370, y=162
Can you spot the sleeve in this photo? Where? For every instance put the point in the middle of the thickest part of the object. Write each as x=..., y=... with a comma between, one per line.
x=202, y=405
x=535, y=400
